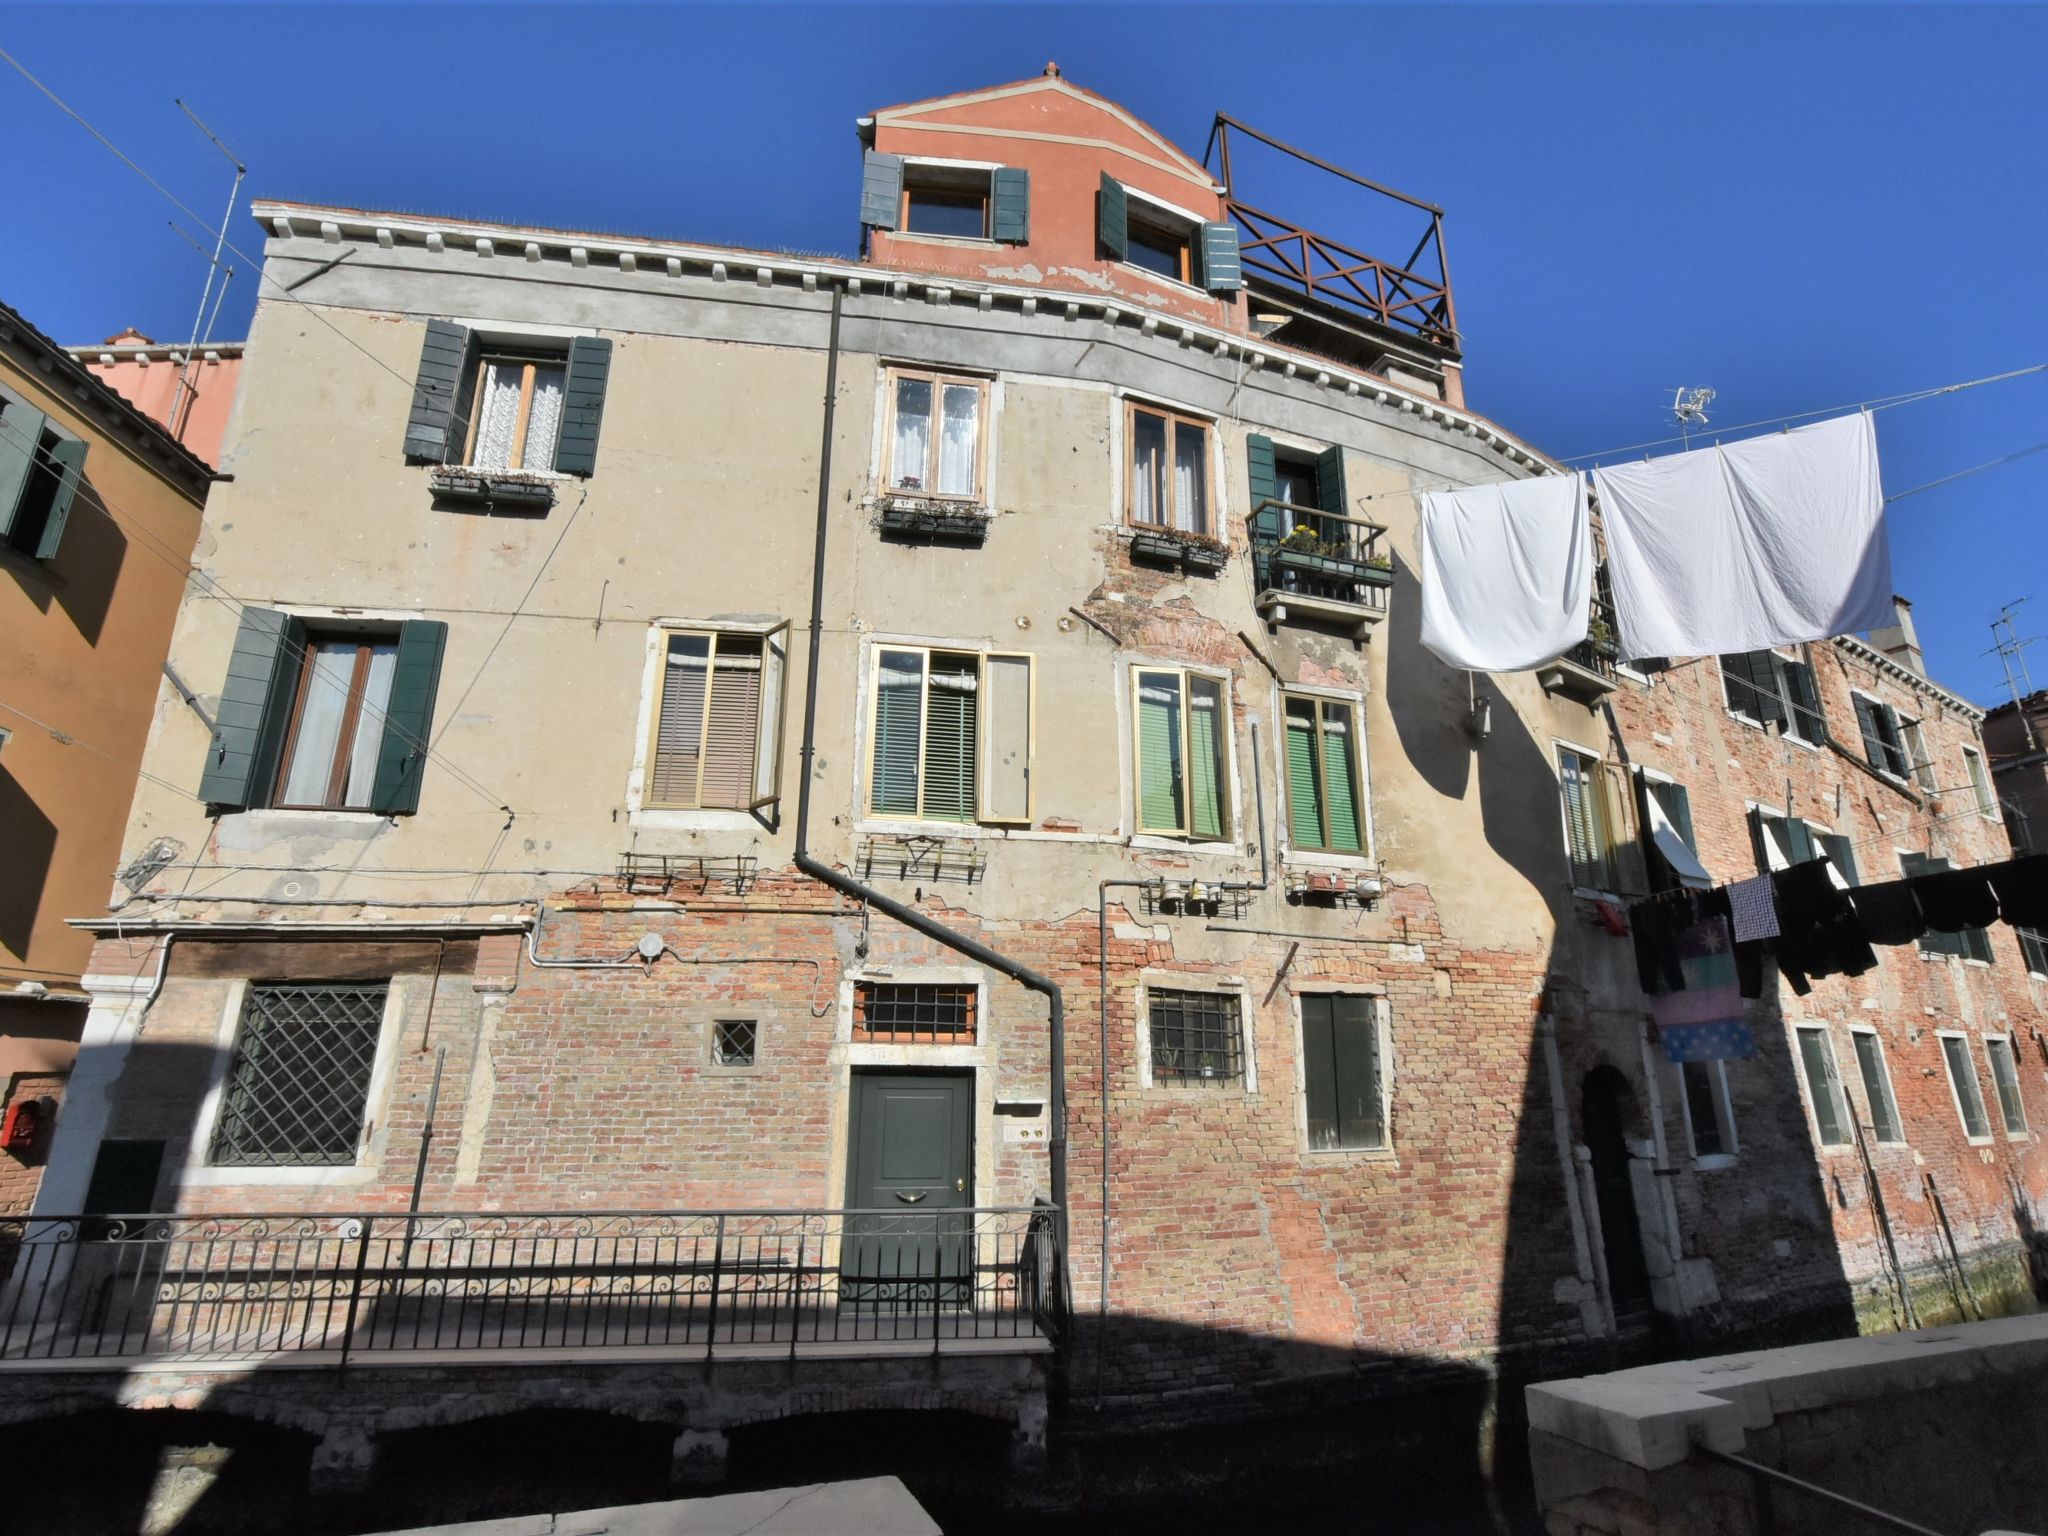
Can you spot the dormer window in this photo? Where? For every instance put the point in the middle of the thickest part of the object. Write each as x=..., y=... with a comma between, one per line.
x=1158, y=246
x=1144, y=232
x=947, y=199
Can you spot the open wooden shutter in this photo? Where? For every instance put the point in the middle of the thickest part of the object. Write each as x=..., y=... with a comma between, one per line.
x=768, y=741
x=21, y=434
x=409, y=717
x=432, y=432
x=1808, y=722
x=1112, y=219
x=732, y=724
x=1216, y=247
x=899, y=731
x=1340, y=779
x=1330, y=494
x=590, y=367
x=1760, y=841
x=1304, y=786
x=1842, y=854
x=1010, y=204
x=952, y=694
x=1262, y=484
x=1624, y=829
x=1799, y=844
x=1866, y=722
x=67, y=457
x=881, y=189
x=1006, y=738
x=255, y=702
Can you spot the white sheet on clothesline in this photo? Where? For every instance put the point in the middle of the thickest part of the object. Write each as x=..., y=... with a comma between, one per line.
x=1507, y=572
x=1771, y=541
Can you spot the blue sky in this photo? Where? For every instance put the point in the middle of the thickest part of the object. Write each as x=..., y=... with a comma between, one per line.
x=1801, y=207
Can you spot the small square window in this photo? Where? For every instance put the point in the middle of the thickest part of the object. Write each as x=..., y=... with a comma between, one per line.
x=734, y=1042
x=1196, y=1038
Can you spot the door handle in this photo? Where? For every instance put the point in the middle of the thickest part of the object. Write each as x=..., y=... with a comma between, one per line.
x=908, y=1198
x=960, y=1185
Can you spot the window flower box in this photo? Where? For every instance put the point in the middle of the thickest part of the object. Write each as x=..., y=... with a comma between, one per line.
x=1169, y=546
x=917, y=517
x=507, y=488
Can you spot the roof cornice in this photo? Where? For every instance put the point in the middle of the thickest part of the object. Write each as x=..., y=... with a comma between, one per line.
x=767, y=269
x=1873, y=657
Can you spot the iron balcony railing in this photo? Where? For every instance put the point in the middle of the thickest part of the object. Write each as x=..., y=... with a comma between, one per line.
x=1321, y=554
x=389, y=1284
x=1331, y=273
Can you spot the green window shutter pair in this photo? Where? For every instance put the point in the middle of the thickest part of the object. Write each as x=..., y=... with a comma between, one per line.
x=255, y=710
x=38, y=463
x=437, y=429
x=1341, y=1070
x=1330, y=493
x=1304, y=774
x=1340, y=777
x=1160, y=772
x=949, y=776
x=1322, y=778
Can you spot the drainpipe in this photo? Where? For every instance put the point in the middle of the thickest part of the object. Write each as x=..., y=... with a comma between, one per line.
x=910, y=917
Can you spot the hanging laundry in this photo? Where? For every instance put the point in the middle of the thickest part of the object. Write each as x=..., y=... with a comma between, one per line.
x=1819, y=935
x=1888, y=913
x=1654, y=926
x=1753, y=912
x=1955, y=899
x=2022, y=888
x=1704, y=1021
x=1507, y=572
x=1770, y=541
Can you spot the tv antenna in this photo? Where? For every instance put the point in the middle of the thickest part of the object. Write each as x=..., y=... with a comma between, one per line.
x=182, y=396
x=1689, y=408
x=2011, y=651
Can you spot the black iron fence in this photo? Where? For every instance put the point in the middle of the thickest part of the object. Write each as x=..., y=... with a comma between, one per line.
x=382, y=1284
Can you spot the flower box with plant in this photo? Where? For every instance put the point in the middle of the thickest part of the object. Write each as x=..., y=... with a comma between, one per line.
x=933, y=518
x=513, y=488
x=1176, y=546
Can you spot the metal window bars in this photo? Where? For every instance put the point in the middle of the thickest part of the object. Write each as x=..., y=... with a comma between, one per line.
x=900, y=1013
x=656, y=874
x=299, y=1075
x=694, y=1283
x=734, y=1041
x=1196, y=1038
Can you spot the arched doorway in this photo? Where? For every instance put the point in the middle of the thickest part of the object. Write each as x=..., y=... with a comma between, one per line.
x=1604, y=1113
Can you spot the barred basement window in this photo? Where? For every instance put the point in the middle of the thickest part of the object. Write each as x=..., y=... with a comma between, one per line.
x=733, y=1042
x=298, y=1082
x=1195, y=1038
x=899, y=1013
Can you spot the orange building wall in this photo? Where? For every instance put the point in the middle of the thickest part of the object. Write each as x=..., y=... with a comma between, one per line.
x=148, y=379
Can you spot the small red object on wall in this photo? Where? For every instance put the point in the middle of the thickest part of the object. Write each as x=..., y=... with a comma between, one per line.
x=24, y=1123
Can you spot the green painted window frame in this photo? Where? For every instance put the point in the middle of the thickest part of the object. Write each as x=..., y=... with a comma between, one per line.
x=1316, y=814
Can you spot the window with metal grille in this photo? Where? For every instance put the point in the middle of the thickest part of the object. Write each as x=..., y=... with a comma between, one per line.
x=1195, y=1038
x=902, y=1013
x=733, y=1042
x=298, y=1081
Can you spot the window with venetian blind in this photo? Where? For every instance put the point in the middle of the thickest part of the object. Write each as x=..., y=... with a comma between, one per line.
x=1585, y=819
x=1181, y=724
x=951, y=735
x=1324, y=789
x=717, y=721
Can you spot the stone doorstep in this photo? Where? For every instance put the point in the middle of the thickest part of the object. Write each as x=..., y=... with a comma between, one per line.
x=874, y=1506
x=1652, y=1416
x=623, y=1354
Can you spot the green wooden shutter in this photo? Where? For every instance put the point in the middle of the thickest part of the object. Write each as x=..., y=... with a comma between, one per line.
x=1807, y=722
x=255, y=704
x=590, y=366
x=1304, y=801
x=1158, y=754
x=1842, y=854
x=1932, y=942
x=1010, y=204
x=68, y=456
x=1216, y=248
x=881, y=189
x=1757, y=841
x=1262, y=484
x=1866, y=722
x=408, y=717
x=1112, y=218
x=899, y=723
x=432, y=432
x=21, y=434
x=1330, y=495
x=1339, y=780
x=949, y=738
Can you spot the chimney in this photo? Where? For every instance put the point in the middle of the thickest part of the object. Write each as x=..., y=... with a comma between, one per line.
x=1899, y=640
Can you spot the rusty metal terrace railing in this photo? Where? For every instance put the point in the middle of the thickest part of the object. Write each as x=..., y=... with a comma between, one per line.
x=364, y=1286
x=1331, y=273
x=1320, y=554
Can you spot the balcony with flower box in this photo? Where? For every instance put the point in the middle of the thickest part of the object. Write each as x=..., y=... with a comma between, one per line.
x=1586, y=672
x=1320, y=566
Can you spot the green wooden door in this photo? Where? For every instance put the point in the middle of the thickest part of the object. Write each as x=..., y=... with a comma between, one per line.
x=910, y=1173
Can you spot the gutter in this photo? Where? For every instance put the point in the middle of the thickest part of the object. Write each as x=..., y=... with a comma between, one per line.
x=844, y=883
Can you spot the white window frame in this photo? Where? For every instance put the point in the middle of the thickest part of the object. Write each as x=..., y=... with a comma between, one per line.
x=2012, y=1057
x=1919, y=761
x=1599, y=893
x=1978, y=774
x=1383, y=1031
x=1884, y=1065
x=1130, y=666
x=1158, y=211
x=869, y=820
x=1955, y=1089
x=1846, y=1115
x=1651, y=776
x=1724, y=1115
x=1778, y=857
x=638, y=812
x=201, y=1173
x=1366, y=856
x=1150, y=981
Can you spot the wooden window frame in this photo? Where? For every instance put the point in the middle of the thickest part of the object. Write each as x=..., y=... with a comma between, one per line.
x=351, y=722
x=2012, y=1062
x=918, y=177
x=891, y=376
x=528, y=362
x=1225, y=800
x=1159, y=222
x=1318, y=701
x=1174, y=419
x=1884, y=1065
x=983, y=817
x=1978, y=772
x=665, y=633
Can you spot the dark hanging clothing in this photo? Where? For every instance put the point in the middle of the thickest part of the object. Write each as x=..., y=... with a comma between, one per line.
x=1957, y=899
x=1750, y=960
x=1888, y=913
x=1820, y=935
x=2022, y=890
x=1655, y=926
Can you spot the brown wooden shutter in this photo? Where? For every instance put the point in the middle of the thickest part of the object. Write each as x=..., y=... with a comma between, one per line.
x=733, y=724
x=679, y=735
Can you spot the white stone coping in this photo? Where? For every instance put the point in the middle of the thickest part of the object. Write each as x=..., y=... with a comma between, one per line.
x=874, y=1506
x=1652, y=1417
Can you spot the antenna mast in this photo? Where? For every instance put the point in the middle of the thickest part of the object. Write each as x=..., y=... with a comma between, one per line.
x=182, y=396
x=2011, y=651
x=1689, y=409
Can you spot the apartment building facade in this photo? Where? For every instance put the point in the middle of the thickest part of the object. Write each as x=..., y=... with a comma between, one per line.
x=699, y=742
x=99, y=509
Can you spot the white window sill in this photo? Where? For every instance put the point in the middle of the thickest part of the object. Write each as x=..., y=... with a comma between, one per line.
x=1353, y=1154
x=538, y=476
x=1586, y=893
x=1714, y=1162
x=215, y=1177
x=1317, y=858
x=923, y=237
x=1167, y=842
x=1980, y=1141
x=1982, y=965
x=1897, y=1146
x=1835, y=1148
x=678, y=819
x=884, y=826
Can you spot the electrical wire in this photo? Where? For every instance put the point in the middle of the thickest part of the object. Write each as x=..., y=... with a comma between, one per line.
x=65, y=738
